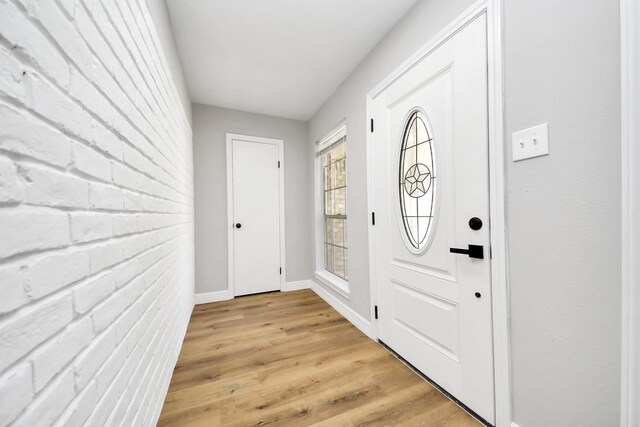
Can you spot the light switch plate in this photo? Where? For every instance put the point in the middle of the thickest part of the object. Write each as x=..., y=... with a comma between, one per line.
x=532, y=142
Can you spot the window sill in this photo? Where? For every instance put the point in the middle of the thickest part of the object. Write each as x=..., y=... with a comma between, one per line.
x=339, y=285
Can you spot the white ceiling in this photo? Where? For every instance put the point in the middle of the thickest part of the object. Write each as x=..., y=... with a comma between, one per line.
x=277, y=57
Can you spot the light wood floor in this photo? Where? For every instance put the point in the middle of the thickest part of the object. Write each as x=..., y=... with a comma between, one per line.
x=290, y=359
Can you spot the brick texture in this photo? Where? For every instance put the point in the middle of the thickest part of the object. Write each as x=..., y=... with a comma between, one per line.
x=96, y=214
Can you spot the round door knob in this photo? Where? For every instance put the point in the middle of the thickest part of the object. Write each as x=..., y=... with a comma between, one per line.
x=475, y=223
x=238, y=225
x=478, y=295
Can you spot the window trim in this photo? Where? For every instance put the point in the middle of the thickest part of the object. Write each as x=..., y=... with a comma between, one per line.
x=630, y=66
x=338, y=284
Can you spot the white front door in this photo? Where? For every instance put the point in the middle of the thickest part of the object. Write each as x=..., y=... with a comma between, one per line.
x=430, y=196
x=255, y=214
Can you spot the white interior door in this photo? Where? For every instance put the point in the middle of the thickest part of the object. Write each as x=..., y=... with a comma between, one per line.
x=430, y=175
x=256, y=222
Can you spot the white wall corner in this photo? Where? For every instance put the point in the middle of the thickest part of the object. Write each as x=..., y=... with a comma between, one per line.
x=297, y=285
x=164, y=387
x=207, y=297
x=347, y=312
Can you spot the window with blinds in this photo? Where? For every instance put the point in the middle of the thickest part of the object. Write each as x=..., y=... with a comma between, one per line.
x=332, y=152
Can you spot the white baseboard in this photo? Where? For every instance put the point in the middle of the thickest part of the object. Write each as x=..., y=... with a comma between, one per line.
x=216, y=296
x=358, y=321
x=297, y=285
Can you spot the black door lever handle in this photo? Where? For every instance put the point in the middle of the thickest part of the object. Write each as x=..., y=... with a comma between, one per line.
x=474, y=251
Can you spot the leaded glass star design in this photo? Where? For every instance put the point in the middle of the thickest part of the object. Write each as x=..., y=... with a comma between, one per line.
x=417, y=180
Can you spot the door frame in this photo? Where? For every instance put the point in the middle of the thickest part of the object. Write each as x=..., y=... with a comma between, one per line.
x=230, y=214
x=497, y=190
x=630, y=97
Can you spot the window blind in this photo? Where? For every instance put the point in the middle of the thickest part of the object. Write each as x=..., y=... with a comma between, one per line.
x=335, y=137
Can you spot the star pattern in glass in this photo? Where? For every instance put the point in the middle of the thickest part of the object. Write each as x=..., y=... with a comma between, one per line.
x=417, y=181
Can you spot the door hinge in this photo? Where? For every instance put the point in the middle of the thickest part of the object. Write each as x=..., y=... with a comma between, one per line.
x=373, y=218
x=280, y=270
x=372, y=125
x=278, y=164
x=375, y=311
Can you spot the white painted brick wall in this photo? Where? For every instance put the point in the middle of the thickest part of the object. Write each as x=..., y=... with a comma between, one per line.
x=96, y=215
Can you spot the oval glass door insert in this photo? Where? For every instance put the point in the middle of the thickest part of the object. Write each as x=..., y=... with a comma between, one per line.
x=417, y=177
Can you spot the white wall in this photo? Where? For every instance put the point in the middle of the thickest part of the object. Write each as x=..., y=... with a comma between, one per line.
x=164, y=29
x=210, y=126
x=96, y=215
x=562, y=66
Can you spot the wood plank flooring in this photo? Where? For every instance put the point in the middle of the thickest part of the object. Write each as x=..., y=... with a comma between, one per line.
x=283, y=359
